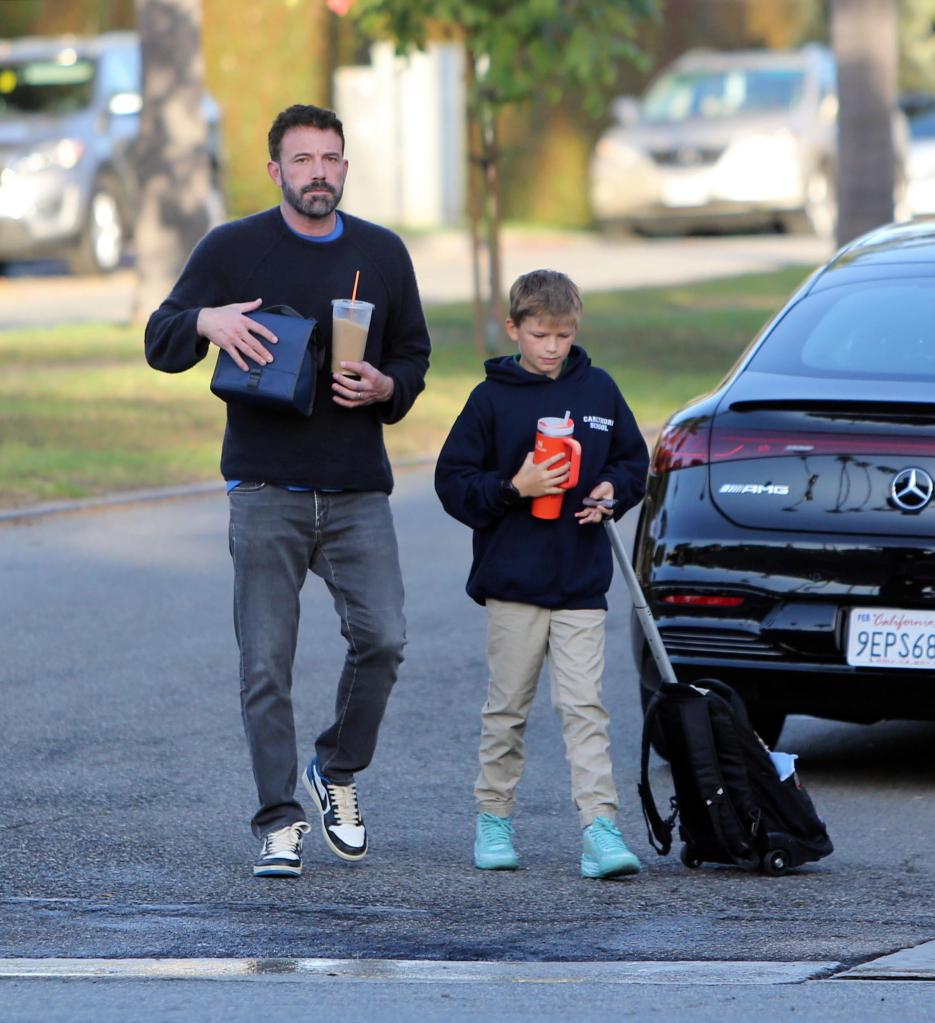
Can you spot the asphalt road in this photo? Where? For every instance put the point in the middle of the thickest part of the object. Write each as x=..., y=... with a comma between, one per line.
x=127, y=790
x=126, y=796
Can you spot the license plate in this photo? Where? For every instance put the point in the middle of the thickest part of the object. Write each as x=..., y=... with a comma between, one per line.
x=883, y=637
x=690, y=190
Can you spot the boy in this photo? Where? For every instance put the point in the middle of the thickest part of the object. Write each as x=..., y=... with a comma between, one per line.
x=543, y=582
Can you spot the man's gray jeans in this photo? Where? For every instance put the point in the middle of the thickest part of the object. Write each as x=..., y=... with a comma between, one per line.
x=276, y=537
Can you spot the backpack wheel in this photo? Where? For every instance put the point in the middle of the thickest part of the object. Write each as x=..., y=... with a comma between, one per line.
x=689, y=858
x=775, y=862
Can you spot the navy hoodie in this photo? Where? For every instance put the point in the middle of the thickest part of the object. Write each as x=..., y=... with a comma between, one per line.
x=260, y=257
x=558, y=563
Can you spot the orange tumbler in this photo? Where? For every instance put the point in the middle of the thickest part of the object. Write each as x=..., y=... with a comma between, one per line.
x=554, y=437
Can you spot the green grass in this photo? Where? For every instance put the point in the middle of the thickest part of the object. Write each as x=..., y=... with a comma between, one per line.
x=81, y=414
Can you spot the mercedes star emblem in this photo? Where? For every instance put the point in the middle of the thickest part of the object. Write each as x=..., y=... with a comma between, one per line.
x=912, y=489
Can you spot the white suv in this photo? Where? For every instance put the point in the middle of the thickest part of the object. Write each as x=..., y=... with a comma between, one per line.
x=724, y=138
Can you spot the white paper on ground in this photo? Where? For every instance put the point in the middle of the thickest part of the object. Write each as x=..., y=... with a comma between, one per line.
x=784, y=764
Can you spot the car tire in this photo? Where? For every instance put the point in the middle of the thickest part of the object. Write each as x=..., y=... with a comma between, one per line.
x=618, y=230
x=103, y=240
x=821, y=202
x=820, y=213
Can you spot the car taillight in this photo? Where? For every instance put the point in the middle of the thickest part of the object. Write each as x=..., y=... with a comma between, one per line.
x=680, y=447
x=701, y=600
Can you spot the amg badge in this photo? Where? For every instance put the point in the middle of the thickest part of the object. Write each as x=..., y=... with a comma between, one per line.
x=773, y=489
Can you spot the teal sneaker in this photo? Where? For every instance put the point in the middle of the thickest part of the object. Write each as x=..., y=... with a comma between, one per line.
x=493, y=843
x=604, y=853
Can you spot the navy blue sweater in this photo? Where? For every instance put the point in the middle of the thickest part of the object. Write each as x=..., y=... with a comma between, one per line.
x=559, y=563
x=259, y=257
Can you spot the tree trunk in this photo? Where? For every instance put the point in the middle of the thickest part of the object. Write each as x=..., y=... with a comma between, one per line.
x=493, y=331
x=174, y=166
x=865, y=40
x=484, y=203
x=474, y=191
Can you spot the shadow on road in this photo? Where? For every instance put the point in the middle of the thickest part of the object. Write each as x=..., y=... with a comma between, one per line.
x=883, y=753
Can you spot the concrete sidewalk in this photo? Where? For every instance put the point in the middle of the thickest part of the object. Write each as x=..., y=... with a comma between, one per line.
x=598, y=263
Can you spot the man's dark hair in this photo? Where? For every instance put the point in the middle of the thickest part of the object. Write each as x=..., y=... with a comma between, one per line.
x=302, y=115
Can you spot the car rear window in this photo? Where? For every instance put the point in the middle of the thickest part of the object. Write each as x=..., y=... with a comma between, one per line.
x=46, y=86
x=878, y=329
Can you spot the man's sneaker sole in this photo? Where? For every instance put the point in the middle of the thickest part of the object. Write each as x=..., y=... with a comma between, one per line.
x=278, y=870
x=309, y=784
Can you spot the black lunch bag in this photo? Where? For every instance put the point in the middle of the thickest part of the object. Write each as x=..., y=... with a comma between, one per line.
x=730, y=803
x=287, y=384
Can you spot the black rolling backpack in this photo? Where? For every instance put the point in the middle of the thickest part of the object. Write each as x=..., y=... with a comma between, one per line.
x=730, y=802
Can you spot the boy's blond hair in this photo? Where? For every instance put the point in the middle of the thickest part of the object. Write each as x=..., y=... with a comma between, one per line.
x=545, y=293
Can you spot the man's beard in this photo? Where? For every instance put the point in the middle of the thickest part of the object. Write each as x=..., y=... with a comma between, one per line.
x=317, y=206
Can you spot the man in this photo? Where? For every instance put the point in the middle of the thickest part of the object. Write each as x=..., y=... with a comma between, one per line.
x=307, y=493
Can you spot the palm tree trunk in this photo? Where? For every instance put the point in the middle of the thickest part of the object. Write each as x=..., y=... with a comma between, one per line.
x=865, y=41
x=173, y=161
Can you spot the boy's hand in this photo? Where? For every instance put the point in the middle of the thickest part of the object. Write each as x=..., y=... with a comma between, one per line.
x=536, y=479
x=603, y=491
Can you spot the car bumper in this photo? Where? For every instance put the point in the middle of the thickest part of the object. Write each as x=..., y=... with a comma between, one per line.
x=37, y=217
x=834, y=691
x=784, y=644
x=672, y=196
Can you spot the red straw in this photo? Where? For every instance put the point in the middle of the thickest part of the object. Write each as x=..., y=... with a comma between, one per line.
x=356, y=282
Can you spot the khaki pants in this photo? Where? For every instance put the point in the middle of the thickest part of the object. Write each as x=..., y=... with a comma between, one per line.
x=519, y=638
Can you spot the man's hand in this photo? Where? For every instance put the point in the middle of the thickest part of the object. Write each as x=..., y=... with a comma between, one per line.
x=228, y=328
x=536, y=479
x=372, y=387
x=598, y=514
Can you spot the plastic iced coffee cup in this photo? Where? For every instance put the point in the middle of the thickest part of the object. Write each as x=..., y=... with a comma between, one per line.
x=350, y=323
x=554, y=437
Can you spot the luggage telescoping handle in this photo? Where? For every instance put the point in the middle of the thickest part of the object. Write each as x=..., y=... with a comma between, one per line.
x=647, y=621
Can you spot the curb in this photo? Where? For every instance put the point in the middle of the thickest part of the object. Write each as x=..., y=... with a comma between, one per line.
x=49, y=508
x=213, y=489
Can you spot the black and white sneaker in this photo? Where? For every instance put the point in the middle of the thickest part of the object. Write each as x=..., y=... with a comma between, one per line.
x=281, y=854
x=341, y=821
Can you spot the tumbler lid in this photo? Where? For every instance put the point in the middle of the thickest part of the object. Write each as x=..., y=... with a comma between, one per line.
x=556, y=426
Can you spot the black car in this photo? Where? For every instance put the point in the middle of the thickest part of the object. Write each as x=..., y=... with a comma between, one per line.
x=786, y=544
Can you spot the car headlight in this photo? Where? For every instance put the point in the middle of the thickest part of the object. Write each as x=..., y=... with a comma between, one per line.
x=62, y=153
x=612, y=151
x=761, y=166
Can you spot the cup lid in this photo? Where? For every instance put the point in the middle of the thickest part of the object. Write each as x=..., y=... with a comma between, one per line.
x=556, y=426
x=354, y=303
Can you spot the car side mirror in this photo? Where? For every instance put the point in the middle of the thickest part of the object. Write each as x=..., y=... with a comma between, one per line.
x=626, y=111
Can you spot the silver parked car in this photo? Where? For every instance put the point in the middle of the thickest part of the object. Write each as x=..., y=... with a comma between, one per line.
x=920, y=165
x=69, y=119
x=720, y=139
